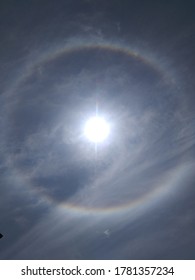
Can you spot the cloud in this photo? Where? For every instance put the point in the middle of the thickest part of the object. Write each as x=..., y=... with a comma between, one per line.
x=47, y=164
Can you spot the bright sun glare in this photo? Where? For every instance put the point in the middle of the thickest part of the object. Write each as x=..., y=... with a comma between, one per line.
x=96, y=129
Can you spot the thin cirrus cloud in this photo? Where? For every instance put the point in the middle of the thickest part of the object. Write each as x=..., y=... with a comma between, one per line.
x=62, y=193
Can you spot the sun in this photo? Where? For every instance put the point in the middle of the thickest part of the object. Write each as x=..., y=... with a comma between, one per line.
x=96, y=129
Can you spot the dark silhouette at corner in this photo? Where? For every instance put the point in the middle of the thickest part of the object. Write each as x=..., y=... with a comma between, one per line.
x=1, y=235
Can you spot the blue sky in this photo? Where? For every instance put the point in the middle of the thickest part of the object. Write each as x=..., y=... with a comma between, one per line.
x=130, y=197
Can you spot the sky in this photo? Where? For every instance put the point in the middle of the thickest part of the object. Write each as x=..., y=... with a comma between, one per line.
x=130, y=196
